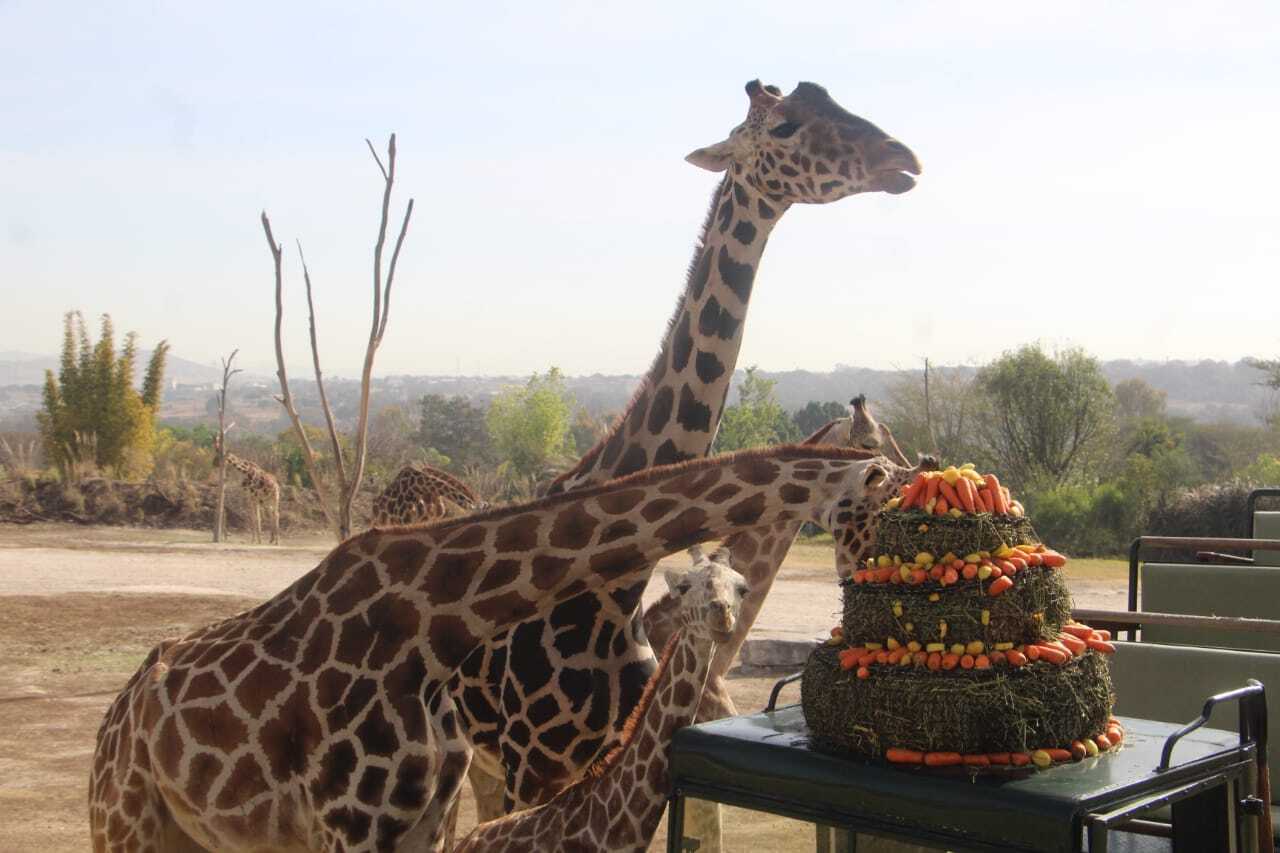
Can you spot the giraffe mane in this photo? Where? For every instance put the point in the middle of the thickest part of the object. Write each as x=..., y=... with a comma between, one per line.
x=601, y=766
x=781, y=452
x=646, y=385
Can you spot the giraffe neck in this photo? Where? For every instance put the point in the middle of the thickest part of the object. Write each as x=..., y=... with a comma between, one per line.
x=454, y=584
x=244, y=465
x=453, y=489
x=674, y=414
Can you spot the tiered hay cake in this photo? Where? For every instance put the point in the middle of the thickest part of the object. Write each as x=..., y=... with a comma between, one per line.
x=956, y=644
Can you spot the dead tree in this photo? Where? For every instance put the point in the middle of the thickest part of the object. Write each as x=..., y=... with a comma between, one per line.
x=220, y=515
x=338, y=511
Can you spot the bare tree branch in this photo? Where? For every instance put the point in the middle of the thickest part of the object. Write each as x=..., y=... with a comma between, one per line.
x=376, y=159
x=220, y=512
x=391, y=271
x=286, y=398
x=315, y=358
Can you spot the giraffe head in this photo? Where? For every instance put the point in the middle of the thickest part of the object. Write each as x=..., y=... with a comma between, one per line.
x=852, y=522
x=864, y=430
x=710, y=595
x=806, y=148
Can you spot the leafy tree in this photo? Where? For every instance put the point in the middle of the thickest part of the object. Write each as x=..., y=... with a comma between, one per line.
x=454, y=428
x=1270, y=369
x=1136, y=399
x=1045, y=418
x=587, y=430
x=757, y=420
x=530, y=426
x=1265, y=470
x=92, y=412
x=815, y=415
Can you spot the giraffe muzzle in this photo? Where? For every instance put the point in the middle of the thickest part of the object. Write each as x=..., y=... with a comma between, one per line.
x=892, y=164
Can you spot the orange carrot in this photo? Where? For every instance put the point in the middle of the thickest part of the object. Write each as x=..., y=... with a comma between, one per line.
x=898, y=755
x=998, y=658
x=930, y=490
x=860, y=576
x=942, y=759
x=912, y=494
x=863, y=672
x=970, y=571
x=966, y=661
x=968, y=498
x=918, y=576
x=1019, y=563
x=1115, y=734
x=1019, y=759
x=866, y=659
x=988, y=505
x=936, y=571
x=949, y=577
x=941, y=507
x=1006, y=567
x=950, y=660
x=1101, y=646
x=958, y=564
x=919, y=658
x=935, y=661
x=896, y=654
x=1034, y=559
x=1015, y=657
x=999, y=585
x=847, y=661
x=997, y=499
x=1076, y=644
x=1078, y=752
x=1053, y=559
x=1033, y=652
x=1103, y=742
x=998, y=757
x=977, y=760
x=1075, y=629
x=982, y=662
x=1059, y=754
x=1102, y=634
x=882, y=656
x=949, y=492
x=1051, y=654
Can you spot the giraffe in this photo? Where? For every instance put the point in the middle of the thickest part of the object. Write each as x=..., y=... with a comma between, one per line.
x=422, y=493
x=799, y=149
x=617, y=805
x=318, y=720
x=262, y=488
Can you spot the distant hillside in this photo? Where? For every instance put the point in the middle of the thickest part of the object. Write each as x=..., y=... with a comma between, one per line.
x=21, y=368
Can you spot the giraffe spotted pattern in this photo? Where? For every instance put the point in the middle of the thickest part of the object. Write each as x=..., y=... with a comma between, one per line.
x=423, y=493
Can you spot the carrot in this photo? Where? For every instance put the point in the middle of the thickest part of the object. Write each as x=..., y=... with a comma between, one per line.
x=977, y=760
x=1015, y=657
x=1115, y=734
x=998, y=658
x=949, y=577
x=1101, y=646
x=847, y=661
x=1008, y=498
x=882, y=656
x=1053, y=559
x=1032, y=652
x=941, y=507
x=958, y=564
x=860, y=576
x=898, y=755
x=950, y=661
x=930, y=490
x=866, y=659
x=1103, y=742
x=982, y=662
x=968, y=497
x=1102, y=634
x=935, y=661
x=896, y=654
x=1078, y=752
x=1019, y=563
x=942, y=759
x=983, y=499
x=969, y=572
x=1051, y=654
x=1033, y=558
x=1059, y=754
x=1019, y=759
x=1075, y=629
x=1076, y=644
x=999, y=585
x=920, y=658
x=912, y=494
x=997, y=499
x=1006, y=567
x=1001, y=758
x=949, y=492
x=936, y=571
x=966, y=661
x=917, y=577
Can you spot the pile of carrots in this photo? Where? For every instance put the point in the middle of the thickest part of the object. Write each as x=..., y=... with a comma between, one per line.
x=956, y=491
x=1042, y=758
x=1073, y=641
x=998, y=566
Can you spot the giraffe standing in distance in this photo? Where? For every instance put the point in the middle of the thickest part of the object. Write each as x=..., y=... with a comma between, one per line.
x=262, y=488
x=422, y=493
x=318, y=720
x=616, y=807
x=799, y=149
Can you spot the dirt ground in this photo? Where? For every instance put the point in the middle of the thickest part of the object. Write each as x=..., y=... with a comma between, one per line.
x=80, y=608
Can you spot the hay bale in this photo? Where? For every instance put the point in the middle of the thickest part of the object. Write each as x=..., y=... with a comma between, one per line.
x=968, y=711
x=1034, y=608
x=899, y=534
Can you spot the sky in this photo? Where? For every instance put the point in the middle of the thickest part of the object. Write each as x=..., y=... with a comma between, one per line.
x=1095, y=175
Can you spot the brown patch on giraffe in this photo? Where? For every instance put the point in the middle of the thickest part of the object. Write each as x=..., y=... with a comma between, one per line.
x=355, y=590
x=262, y=684
x=549, y=571
x=168, y=747
x=330, y=685
x=756, y=471
x=354, y=640
x=203, y=685
x=573, y=528
x=693, y=484
x=501, y=573
x=576, y=587
x=335, y=566
x=793, y=494
x=450, y=639
x=509, y=607
x=396, y=621
x=292, y=736
x=218, y=727
x=318, y=648
x=518, y=534
x=684, y=529
x=618, y=530
x=245, y=782
x=201, y=773
x=747, y=511
x=403, y=558
x=720, y=494
x=618, y=561
x=471, y=536
x=450, y=575
x=657, y=508
x=621, y=503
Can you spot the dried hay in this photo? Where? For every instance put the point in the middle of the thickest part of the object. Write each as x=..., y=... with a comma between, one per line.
x=899, y=533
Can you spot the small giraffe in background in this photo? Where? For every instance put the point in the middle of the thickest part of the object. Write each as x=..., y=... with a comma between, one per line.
x=261, y=487
x=422, y=493
x=618, y=804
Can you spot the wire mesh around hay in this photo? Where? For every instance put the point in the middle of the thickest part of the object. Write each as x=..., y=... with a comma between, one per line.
x=899, y=533
x=1034, y=608
x=967, y=711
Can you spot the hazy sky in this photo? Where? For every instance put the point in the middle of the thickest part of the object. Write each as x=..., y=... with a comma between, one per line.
x=1101, y=175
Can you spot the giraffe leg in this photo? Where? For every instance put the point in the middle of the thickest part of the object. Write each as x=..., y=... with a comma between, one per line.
x=275, y=522
x=257, y=523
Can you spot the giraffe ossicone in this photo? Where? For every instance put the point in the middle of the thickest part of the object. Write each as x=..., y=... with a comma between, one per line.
x=802, y=148
x=319, y=719
x=619, y=802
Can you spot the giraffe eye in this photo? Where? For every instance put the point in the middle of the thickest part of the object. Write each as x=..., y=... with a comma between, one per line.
x=785, y=130
x=743, y=589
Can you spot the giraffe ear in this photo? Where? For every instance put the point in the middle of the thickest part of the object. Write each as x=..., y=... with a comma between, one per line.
x=677, y=582
x=713, y=158
x=721, y=555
